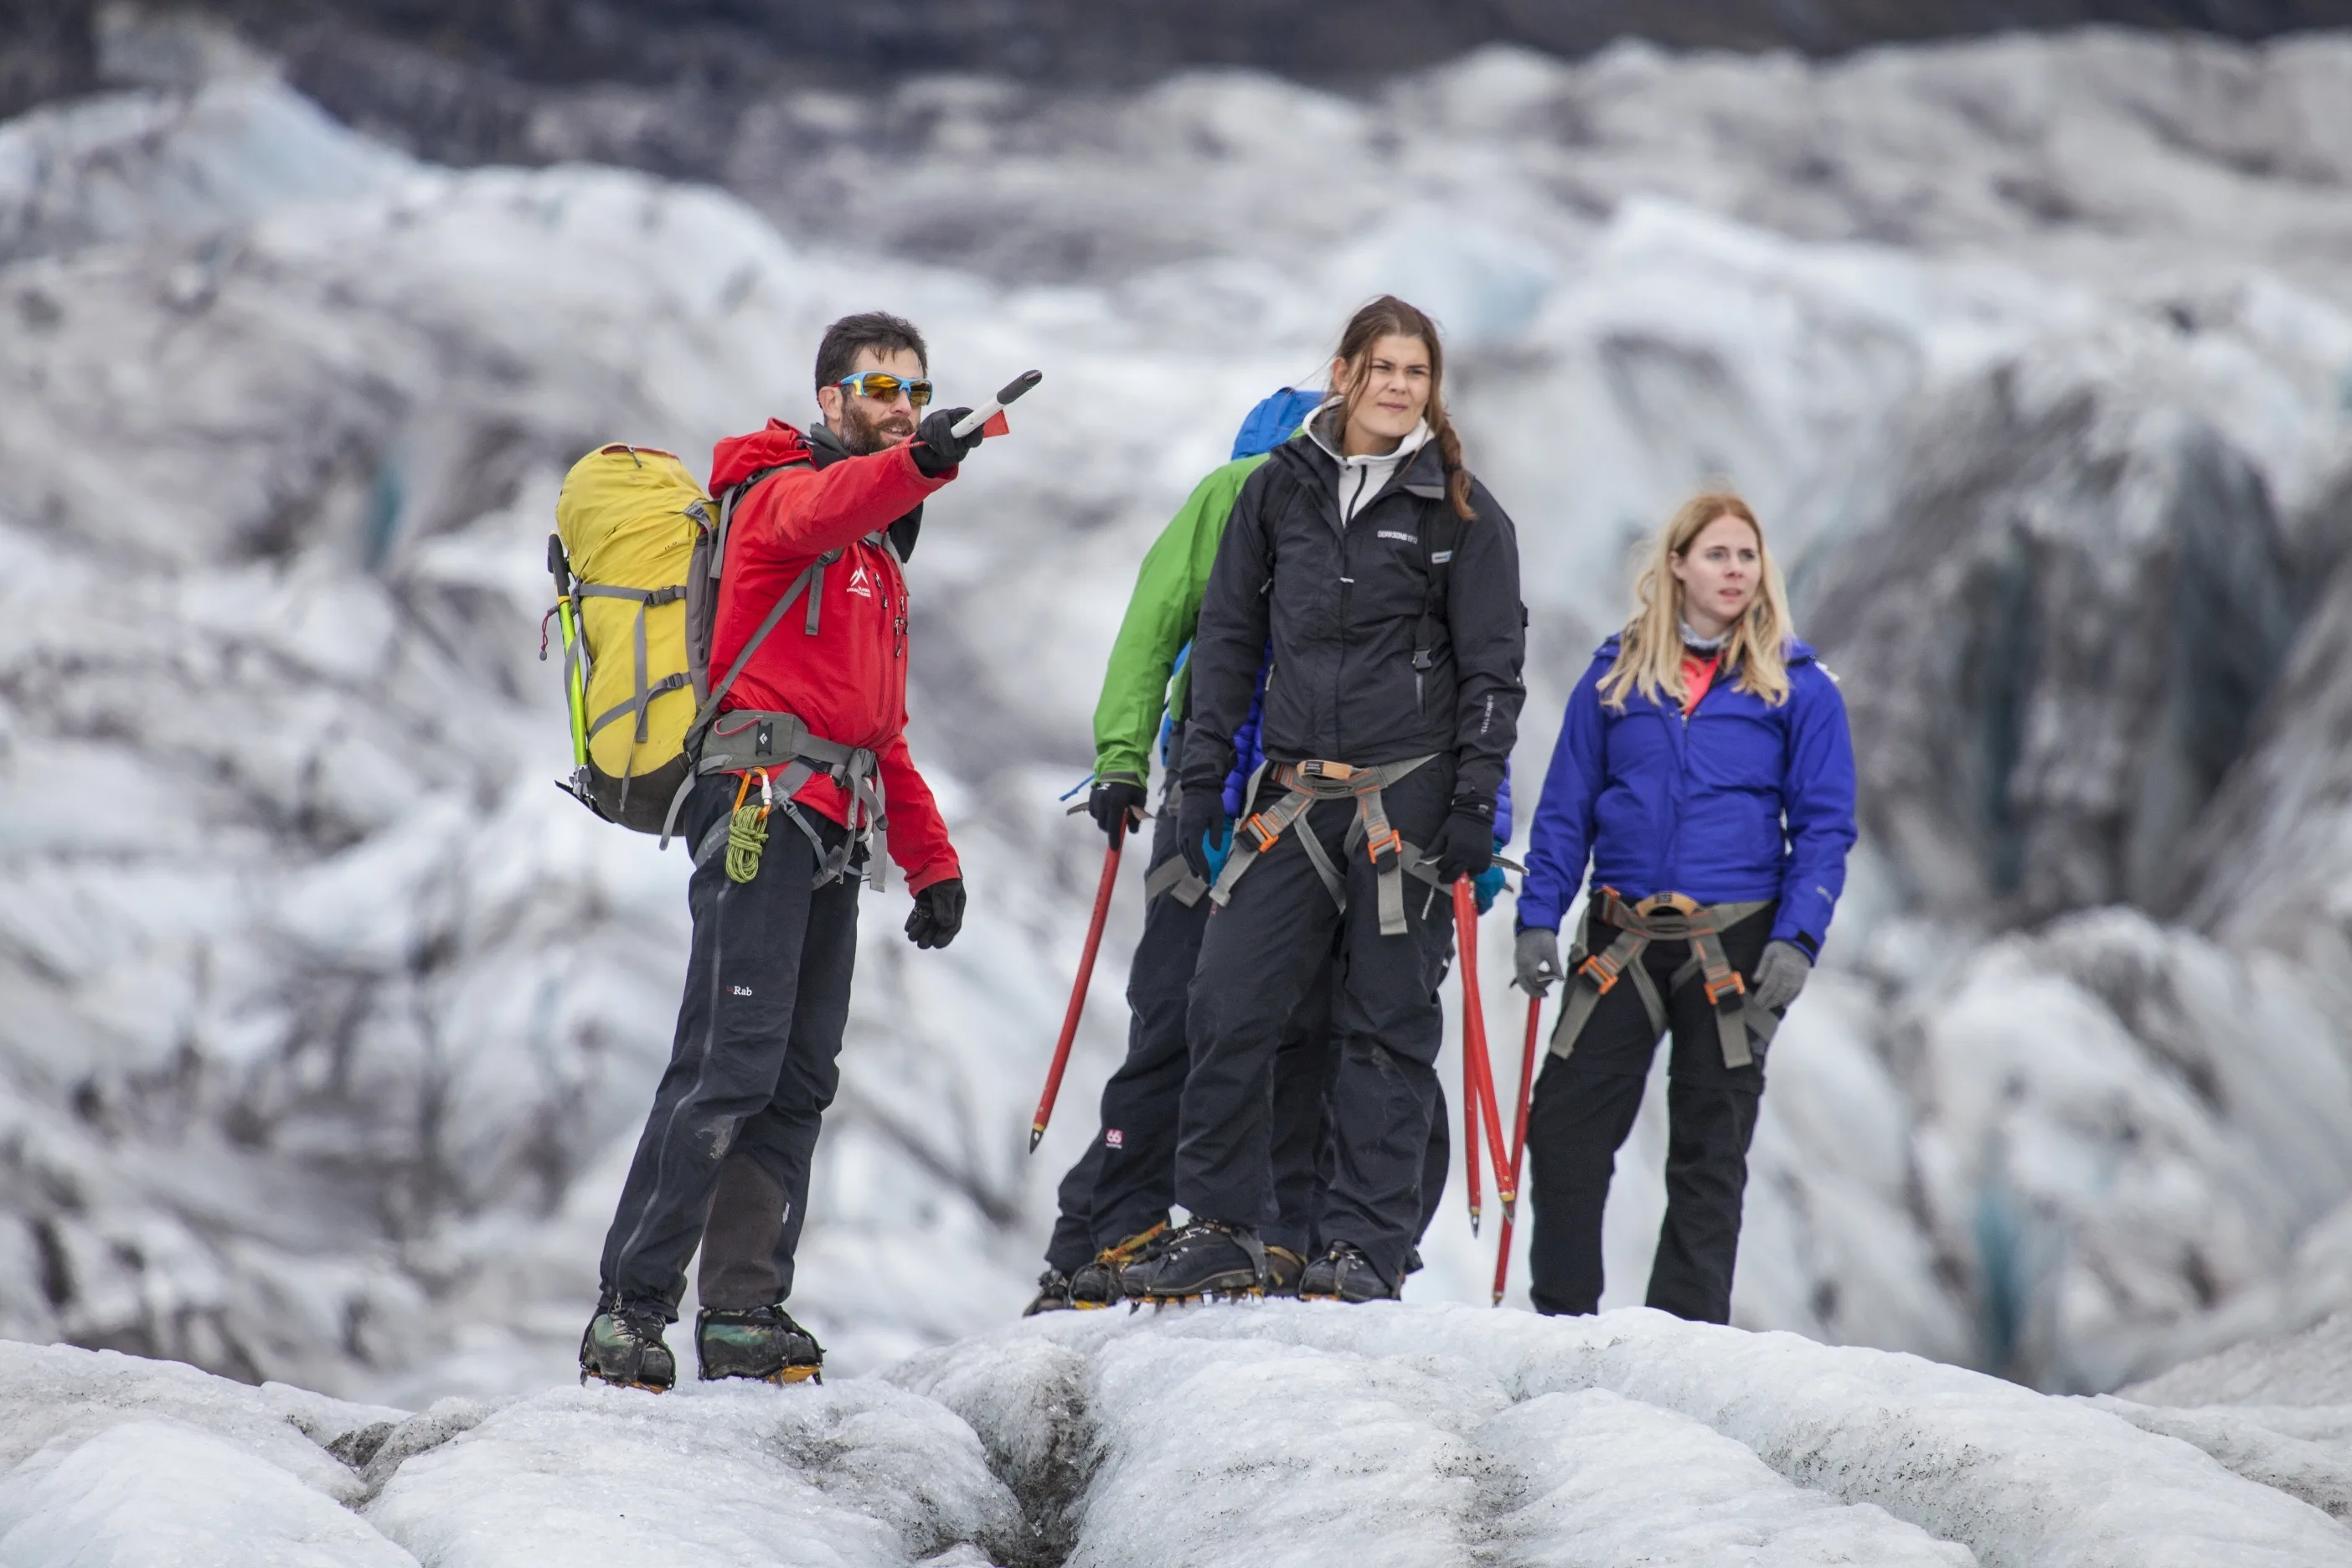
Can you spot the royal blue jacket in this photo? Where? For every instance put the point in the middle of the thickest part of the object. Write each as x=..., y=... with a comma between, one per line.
x=1739, y=802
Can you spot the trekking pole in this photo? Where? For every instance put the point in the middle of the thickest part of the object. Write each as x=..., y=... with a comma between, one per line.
x=1078, y=991
x=1477, y=1071
x=1011, y=392
x=1519, y=1144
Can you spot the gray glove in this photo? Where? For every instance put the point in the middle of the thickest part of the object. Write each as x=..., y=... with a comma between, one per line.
x=1535, y=956
x=1780, y=974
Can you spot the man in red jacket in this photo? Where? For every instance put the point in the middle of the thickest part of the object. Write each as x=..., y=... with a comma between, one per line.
x=813, y=723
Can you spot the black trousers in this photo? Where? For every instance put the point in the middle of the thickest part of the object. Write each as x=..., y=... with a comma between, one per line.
x=753, y=1067
x=1260, y=955
x=1584, y=1108
x=1125, y=1182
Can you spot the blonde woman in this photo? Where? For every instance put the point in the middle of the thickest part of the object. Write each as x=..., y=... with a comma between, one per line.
x=1705, y=771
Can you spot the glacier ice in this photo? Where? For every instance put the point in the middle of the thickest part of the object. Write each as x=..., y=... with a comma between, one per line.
x=1284, y=1433
x=327, y=1022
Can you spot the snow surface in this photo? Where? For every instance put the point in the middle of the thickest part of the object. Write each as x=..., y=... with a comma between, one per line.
x=1285, y=1433
x=325, y=1024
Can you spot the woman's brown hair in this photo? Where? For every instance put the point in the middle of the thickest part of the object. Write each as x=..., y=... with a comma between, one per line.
x=1390, y=316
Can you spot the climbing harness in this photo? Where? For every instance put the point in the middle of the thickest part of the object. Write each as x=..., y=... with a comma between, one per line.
x=1666, y=917
x=746, y=741
x=1314, y=780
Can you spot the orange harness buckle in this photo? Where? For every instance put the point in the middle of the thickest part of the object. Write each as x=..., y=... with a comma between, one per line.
x=1259, y=830
x=1393, y=844
x=1601, y=972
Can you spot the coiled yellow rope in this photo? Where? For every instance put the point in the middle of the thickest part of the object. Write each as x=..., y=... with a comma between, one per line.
x=746, y=830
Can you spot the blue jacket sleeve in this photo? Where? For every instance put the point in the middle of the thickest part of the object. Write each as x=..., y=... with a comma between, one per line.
x=1817, y=805
x=1560, y=838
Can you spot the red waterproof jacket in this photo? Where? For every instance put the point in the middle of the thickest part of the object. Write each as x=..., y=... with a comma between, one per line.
x=847, y=683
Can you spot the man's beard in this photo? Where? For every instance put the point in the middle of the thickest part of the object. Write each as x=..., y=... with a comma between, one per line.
x=861, y=436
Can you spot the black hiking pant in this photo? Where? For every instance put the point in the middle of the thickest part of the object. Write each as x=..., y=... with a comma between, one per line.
x=1260, y=955
x=1584, y=1108
x=753, y=1068
x=1125, y=1182
x=1301, y=1155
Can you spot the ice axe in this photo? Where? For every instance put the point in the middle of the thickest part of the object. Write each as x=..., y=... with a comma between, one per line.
x=1477, y=1072
x=1519, y=1144
x=1086, y=959
x=567, y=615
x=1011, y=392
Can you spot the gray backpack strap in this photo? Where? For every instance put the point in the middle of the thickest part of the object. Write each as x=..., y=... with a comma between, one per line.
x=816, y=589
x=646, y=599
x=710, y=708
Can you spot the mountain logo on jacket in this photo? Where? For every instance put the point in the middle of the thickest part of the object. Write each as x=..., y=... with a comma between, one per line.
x=861, y=584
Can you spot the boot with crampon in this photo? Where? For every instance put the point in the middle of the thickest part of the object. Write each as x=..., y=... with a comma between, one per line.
x=1344, y=1274
x=1204, y=1259
x=1102, y=1283
x=1283, y=1270
x=1052, y=1294
x=761, y=1342
x=624, y=1347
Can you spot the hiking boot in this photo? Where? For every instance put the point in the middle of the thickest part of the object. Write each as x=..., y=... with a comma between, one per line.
x=762, y=1343
x=1283, y=1268
x=1095, y=1286
x=1344, y=1274
x=624, y=1347
x=1204, y=1259
x=1052, y=1294
x=1100, y=1283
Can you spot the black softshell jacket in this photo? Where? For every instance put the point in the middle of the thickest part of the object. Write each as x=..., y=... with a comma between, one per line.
x=1343, y=612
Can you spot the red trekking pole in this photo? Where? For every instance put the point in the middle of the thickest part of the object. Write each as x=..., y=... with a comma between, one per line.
x=1519, y=1144
x=1477, y=1072
x=1078, y=991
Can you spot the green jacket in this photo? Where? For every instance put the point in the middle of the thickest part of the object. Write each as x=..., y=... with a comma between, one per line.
x=1137, y=691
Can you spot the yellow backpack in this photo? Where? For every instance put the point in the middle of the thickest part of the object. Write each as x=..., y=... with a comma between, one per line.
x=631, y=556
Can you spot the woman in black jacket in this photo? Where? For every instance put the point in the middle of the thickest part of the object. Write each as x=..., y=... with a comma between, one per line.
x=1385, y=579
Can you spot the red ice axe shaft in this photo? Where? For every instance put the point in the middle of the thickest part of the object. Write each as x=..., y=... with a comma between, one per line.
x=1477, y=1072
x=1078, y=991
x=1519, y=1144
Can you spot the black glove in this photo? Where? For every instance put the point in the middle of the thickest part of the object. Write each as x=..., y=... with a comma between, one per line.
x=1465, y=845
x=938, y=914
x=1115, y=800
x=937, y=447
x=1201, y=820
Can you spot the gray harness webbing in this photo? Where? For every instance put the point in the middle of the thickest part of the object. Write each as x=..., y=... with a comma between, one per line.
x=1666, y=917
x=1174, y=876
x=1310, y=782
x=646, y=599
x=746, y=741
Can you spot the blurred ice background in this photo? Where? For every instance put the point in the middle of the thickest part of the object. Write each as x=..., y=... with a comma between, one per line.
x=326, y=1024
